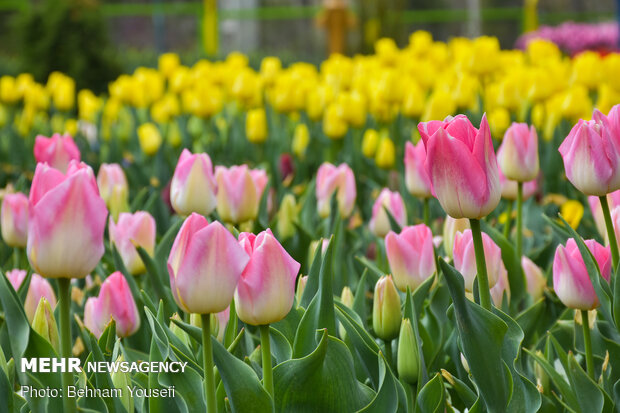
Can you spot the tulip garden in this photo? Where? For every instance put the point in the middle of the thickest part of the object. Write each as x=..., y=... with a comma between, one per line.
x=424, y=229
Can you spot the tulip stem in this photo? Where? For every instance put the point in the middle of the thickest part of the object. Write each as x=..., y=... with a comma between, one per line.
x=611, y=233
x=64, y=294
x=427, y=212
x=265, y=345
x=207, y=355
x=483, y=278
x=519, y=220
x=388, y=352
x=587, y=343
x=508, y=223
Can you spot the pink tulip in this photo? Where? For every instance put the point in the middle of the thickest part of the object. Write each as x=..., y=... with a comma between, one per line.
x=465, y=258
x=416, y=177
x=591, y=154
x=411, y=256
x=222, y=321
x=131, y=231
x=534, y=277
x=613, y=199
x=89, y=317
x=193, y=186
x=205, y=264
x=380, y=222
x=39, y=287
x=66, y=222
x=571, y=281
x=501, y=286
x=113, y=188
x=517, y=156
x=509, y=188
x=16, y=277
x=58, y=151
x=240, y=190
x=14, y=220
x=116, y=302
x=266, y=290
x=461, y=164
x=340, y=179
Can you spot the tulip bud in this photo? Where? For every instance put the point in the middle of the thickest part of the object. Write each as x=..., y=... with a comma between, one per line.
x=330, y=179
x=89, y=317
x=384, y=158
x=44, y=323
x=220, y=320
x=411, y=256
x=301, y=286
x=370, y=141
x=39, y=288
x=534, y=277
x=193, y=185
x=240, y=190
x=266, y=288
x=178, y=331
x=14, y=220
x=301, y=139
x=591, y=154
x=66, y=222
x=501, y=286
x=116, y=302
x=408, y=361
x=150, y=138
x=122, y=381
x=542, y=378
x=287, y=215
x=57, y=151
x=517, y=156
x=571, y=281
x=113, y=188
x=256, y=125
x=205, y=265
x=131, y=231
x=464, y=363
x=16, y=277
x=450, y=227
x=461, y=165
x=380, y=222
x=465, y=258
x=386, y=314
x=416, y=178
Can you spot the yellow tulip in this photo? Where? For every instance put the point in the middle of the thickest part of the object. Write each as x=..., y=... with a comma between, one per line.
x=88, y=105
x=439, y=105
x=256, y=125
x=270, y=67
x=384, y=158
x=572, y=212
x=334, y=122
x=150, y=138
x=8, y=90
x=168, y=63
x=301, y=139
x=499, y=121
x=370, y=141
x=71, y=127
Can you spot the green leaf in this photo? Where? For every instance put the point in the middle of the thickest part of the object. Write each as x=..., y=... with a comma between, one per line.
x=280, y=347
x=328, y=371
x=359, y=301
x=432, y=397
x=15, y=318
x=482, y=334
x=588, y=394
x=374, y=272
x=188, y=389
x=386, y=399
x=411, y=313
x=312, y=284
x=244, y=390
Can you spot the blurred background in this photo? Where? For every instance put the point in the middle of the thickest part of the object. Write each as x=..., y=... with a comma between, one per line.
x=96, y=40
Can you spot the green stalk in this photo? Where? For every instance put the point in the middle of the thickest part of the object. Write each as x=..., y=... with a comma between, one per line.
x=427, y=212
x=207, y=355
x=611, y=234
x=265, y=345
x=411, y=406
x=388, y=352
x=519, y=220
x=508, y=223
x=64, y=293
x=483, y=278
x=587, y=343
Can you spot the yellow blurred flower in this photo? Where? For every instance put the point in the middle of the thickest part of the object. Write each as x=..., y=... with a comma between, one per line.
x=370, y=141
x=71, y=127
x=150, y=138
x=173, y=134
x=8, y=90
x=439, y=105
x=499, y=121
x=88, y=105
x=270, y=67
x=168, y=63
x=334, y=122
x=385, y=155
x=256, y=125
x=572, y=212
x=301, y=139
